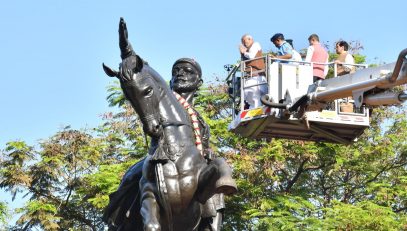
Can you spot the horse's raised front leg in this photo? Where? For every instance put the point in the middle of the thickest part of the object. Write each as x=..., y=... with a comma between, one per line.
x=150, y=209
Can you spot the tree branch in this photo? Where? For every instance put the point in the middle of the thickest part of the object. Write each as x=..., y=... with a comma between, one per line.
x=297, y=175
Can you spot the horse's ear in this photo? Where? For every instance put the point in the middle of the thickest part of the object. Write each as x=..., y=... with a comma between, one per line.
x=109, y=71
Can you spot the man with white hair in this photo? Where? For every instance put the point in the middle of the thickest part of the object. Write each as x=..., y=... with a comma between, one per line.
x=255, y=82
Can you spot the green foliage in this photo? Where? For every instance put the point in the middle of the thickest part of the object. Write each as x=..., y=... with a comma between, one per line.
x=70, y=175
x=361, y=216
x=4, y=214
x=115, y=96
x=13, y=167
x=103, y=183
x=39, y=212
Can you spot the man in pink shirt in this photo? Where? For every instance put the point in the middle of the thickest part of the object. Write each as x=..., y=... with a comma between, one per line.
x=316, y=53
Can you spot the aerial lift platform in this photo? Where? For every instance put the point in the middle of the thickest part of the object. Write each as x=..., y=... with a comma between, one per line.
x=333, y=110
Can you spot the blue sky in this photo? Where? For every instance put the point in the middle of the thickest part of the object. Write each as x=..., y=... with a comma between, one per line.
x=51, y=51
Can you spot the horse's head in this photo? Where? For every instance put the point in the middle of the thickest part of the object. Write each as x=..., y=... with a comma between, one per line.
x=138, y=84
x=144, y=95
x=141, y=89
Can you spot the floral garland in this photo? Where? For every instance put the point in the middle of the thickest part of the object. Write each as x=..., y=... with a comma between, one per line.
x=195, y=122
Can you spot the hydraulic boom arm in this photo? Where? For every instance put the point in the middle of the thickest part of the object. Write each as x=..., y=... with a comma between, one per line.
x=366, y=86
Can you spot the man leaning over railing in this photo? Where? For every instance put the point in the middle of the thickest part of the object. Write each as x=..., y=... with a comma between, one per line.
x=254, y=80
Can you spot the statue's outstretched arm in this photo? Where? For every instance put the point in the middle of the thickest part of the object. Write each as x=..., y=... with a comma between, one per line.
x=125, y=46
x=131, y=62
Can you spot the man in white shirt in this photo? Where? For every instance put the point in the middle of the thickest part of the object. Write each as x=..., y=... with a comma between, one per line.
x=255, y=83
x=344, y=66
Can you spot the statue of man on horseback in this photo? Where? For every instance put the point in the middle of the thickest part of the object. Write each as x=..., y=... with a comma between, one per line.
x=178, y=176
x=186, y=80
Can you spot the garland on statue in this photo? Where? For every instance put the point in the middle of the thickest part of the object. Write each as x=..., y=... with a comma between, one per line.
x=194, y=119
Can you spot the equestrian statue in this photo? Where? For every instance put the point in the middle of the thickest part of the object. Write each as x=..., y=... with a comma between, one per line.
x=170, y=188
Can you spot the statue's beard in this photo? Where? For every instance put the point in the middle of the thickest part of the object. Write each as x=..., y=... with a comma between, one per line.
x=184, y=87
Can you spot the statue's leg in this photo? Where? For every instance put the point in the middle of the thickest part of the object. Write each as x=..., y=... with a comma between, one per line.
x=216, y=177
x=220, y=208
x=217, y=221
x=206, y=183
x=212, y=213
x=208, y=215
x=213, y=209
x=225, y=183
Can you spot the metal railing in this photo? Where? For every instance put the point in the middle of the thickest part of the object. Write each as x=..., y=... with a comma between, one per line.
x=241, y=67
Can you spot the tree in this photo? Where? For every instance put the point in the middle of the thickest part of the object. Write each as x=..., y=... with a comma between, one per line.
x=69, y=177
x=4, y=214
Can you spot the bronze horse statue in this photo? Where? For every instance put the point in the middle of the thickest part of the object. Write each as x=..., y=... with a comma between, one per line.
x=174, y=180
